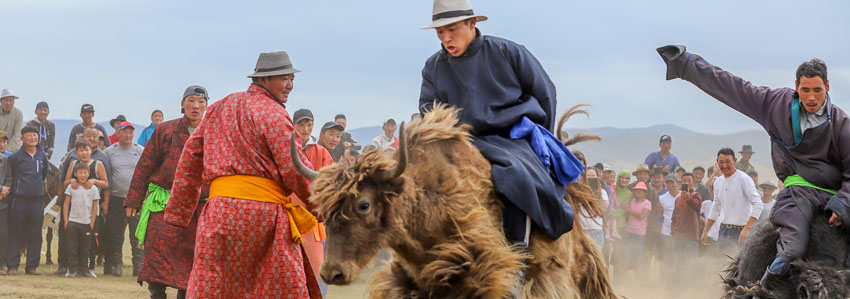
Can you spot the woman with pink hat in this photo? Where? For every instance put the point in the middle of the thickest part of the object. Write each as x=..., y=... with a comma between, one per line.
x=638, y=210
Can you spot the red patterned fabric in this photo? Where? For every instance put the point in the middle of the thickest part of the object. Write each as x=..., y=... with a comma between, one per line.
x=246, y=133
x=168, y=251
x=255, y=260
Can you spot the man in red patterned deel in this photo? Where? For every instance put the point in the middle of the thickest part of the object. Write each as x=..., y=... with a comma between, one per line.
x=168, y=249
x=249, y=233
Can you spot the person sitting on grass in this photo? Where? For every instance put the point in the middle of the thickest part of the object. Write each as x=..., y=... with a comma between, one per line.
x=80, y=210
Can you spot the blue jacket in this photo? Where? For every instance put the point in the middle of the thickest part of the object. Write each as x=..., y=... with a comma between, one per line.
x=28, y=173
x=146, y=135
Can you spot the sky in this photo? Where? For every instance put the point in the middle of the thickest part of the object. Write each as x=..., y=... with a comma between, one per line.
x=364, y=58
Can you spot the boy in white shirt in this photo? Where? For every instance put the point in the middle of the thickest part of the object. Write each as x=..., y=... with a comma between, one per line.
x=80, y=210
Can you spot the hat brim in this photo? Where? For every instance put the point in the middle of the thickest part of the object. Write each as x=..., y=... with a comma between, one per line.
x=639, y=171
x=446, y=21
x=274, y=73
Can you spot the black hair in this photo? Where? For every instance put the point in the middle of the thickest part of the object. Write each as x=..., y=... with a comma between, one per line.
x=688, y=174
x=157, y=110
x=82, y=143
x=338, y=116
x=726, y=151
x=698, y=168
x=81, y=166
x=812, y=68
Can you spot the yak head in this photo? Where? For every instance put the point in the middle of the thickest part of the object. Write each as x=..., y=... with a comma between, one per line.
x=358, y=204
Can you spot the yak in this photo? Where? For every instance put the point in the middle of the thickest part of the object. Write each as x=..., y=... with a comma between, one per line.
x=820, y=275
x=433, y=204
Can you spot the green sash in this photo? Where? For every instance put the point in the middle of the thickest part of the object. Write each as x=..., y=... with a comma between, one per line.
x=797, y=180
x=155, y=202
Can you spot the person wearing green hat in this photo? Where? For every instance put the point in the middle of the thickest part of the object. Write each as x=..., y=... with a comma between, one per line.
x=620, y=216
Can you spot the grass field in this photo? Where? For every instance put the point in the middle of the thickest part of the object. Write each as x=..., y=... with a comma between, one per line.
x=50, y=286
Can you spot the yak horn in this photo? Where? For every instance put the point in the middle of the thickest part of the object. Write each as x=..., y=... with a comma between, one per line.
x=302, y=169
x=396, y=171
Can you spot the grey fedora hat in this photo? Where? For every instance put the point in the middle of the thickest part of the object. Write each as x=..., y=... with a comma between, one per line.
x=273, y=64
x=449, y=11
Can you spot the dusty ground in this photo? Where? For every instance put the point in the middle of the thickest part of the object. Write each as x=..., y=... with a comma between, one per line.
x=643, y=286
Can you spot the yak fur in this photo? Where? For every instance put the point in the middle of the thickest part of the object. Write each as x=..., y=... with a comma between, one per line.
x=820, y=275
x=442, y=220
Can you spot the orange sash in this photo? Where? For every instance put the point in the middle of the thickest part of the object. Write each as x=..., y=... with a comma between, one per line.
x=301, y=221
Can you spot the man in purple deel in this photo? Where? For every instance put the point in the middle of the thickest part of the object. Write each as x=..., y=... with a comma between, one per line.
x=810, y=146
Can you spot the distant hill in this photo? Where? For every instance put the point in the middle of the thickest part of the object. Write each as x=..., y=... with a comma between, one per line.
x=622, y=148
x=625, y=148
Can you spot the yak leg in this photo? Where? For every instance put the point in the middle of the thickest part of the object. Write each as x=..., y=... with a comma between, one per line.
x=394, y=281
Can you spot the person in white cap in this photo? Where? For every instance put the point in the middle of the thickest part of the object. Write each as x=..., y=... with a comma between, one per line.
x=11, y=119
x=388, y=139
x=502, y=91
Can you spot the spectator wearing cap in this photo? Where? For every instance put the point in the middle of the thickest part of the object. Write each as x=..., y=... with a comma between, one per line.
x=347, y=142
x=699, y=175
x=330, y=136
x=28, y=167
x=46, y=128
x=679, y=172
x=114, y=123
x=655, y=188
x=666, y=204
x=5, y=204
x=684, y=228
x=387, y=139
x=319, y=156
x=746, y=155
x=663, y=158
x=87, y=115
x=767, y=189
x=156, y=119
x=123, y=155
x=4, y=140
x=11, y=119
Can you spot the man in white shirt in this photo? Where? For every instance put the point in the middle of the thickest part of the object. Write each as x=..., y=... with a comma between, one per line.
x=667, y=201
x=736, y=202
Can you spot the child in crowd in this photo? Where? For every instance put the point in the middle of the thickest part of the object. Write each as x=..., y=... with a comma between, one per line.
x=96, y=177
x=638, y=208
x=80, y=210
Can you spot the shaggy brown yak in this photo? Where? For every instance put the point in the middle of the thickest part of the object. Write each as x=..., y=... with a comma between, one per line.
x=435, y=207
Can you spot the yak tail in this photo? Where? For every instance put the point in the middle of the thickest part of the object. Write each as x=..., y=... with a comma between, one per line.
x=580, y=137
x=579, y=194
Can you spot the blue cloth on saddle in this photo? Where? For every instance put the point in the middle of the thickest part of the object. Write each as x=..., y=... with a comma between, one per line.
x=560, y=161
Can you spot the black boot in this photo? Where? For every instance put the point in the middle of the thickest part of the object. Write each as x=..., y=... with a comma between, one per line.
x=157, y=290
x=771, y=282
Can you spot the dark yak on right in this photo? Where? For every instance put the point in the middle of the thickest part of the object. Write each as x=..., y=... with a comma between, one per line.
x=820, y=275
